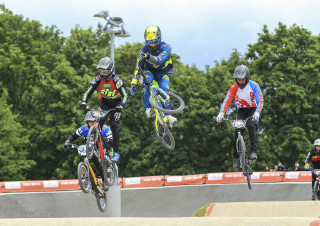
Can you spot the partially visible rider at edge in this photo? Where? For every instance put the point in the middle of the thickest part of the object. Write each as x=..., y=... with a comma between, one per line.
x=113, y=95
x=314, y=156
x=154, y=60
x=83, y=131
x=249, y=101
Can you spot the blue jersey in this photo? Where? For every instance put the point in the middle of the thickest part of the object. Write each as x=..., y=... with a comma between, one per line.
x=159, y=61
x=84, y=130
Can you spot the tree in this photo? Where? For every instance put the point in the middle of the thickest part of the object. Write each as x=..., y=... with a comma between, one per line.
x=287, y=63
x=13, y=144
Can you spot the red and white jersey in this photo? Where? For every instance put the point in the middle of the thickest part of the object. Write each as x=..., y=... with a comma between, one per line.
x=249, y=96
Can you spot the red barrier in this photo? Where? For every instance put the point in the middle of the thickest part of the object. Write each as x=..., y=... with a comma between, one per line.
x=262, y=177
x=298, y=176
x=185, y=180
x=50, y=185
x=135, y=182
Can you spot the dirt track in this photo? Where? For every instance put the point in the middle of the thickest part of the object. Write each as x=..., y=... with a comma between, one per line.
x=290, y=221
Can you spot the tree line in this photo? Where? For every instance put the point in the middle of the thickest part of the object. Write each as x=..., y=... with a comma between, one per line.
x=43, y=76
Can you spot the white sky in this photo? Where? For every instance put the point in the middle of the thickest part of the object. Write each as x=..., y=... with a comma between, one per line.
x=200, y=31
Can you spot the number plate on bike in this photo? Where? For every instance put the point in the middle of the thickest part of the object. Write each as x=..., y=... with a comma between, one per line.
x=238, y=124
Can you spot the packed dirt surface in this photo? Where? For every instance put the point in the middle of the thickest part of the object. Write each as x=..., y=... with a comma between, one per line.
x=265, y=209
x=184, y=221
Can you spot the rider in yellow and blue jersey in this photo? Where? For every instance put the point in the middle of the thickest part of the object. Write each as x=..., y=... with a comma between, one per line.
x=154, y=59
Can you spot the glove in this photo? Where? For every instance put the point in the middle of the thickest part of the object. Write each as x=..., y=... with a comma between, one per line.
x=67, y=144
x=220, y=117
x=256, y=117
x=134, y=82
x=118, y=108
x=307, y=166
x=83, y=105
x=132, y=90
x=145, y=55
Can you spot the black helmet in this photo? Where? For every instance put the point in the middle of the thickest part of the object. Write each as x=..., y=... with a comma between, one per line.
x=106, y=63
x=89, y=117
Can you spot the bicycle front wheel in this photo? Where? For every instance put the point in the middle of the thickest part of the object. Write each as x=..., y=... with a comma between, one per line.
x=92, y=140
x=174, y=104
x=164, y=134
x=83, y=177
x=248, y=176
x=316, y=189
x=101, y=201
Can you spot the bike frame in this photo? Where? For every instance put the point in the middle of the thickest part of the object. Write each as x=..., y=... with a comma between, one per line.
x=159, y=115
x=91, y=172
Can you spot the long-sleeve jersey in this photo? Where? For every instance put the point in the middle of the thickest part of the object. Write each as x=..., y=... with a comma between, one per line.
x=314, y=156
x=84, y=130
x=159, y=61
x=249, y=96
x=112, y=90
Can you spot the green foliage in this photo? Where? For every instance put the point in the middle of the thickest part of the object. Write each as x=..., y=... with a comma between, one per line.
x=44, y=75
x=14, y=144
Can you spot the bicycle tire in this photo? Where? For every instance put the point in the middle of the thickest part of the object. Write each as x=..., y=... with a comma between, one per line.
x=248, y=176
x=242, y=156
x=101, y=201
x=316, y=189
x=110, y=172
x=164, y=134
x=84, y=177
x=176, y=102
x=91, y=142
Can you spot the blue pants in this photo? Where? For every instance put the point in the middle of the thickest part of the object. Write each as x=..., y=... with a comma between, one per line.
x=163, y=81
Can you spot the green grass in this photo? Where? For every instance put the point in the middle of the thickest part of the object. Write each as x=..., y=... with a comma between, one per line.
x=201, y=212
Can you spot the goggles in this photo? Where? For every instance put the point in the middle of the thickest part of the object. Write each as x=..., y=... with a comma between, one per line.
x=104, y=72
x=153, y=43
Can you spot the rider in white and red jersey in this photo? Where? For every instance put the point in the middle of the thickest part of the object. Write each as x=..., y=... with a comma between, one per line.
x=249, y=101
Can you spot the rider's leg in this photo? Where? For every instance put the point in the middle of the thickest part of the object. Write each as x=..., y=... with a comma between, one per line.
x=164, y=83
x=146, y=94
x=253, y=133
x=114, y=124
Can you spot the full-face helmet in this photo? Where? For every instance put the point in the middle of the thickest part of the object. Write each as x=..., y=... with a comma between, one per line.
x=105, y=68
x=242, y=71
x=152, y=36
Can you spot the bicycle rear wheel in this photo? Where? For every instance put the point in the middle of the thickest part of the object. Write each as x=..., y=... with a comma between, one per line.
x=174, y=105
x=164, y=134
x=110, y=172
x=101, y=201
x=83, y=177
x=92, y=140
x=316, y=189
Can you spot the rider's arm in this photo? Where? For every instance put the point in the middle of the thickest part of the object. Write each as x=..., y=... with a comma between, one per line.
x=106, y=132
x=309, y=156
x=139, y=65
x=257, y=95
x=229, y=97
x=76, y=134
x=92, y=87
x=122, y=89
x=162, y=57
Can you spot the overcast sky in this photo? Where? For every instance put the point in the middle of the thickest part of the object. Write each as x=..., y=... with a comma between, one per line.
x=200, y=31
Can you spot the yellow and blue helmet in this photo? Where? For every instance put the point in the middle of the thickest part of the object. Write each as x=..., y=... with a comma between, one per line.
x=152, y=36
